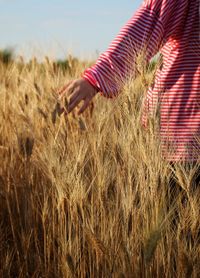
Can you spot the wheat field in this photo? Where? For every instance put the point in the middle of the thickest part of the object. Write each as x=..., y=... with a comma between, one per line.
x=87, y=196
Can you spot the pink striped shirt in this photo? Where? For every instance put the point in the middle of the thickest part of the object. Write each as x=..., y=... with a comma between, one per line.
x=171, y=27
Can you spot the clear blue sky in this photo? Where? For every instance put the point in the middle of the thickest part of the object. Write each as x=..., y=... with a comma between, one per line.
x=56, y=27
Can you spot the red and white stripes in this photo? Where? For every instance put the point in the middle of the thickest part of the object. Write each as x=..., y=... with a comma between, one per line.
x=171, y=27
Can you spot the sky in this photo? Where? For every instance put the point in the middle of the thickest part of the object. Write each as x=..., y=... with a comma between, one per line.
x=57, y=28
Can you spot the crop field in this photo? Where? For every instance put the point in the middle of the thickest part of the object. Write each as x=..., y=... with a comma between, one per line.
x=88, y=196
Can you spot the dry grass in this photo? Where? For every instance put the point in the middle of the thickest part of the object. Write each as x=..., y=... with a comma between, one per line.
x=86, y=197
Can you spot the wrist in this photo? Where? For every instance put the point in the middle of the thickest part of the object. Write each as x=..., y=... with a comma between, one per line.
x=91, y=81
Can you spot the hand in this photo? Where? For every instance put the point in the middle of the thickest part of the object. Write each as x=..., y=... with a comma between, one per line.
x=80, y=90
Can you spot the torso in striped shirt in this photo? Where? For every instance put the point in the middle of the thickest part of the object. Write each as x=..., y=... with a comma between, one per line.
x=171, y=27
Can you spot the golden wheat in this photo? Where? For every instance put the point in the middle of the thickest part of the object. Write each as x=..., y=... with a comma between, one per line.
x=86, y=197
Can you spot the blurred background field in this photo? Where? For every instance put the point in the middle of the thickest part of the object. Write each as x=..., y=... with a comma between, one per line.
x=86, y=196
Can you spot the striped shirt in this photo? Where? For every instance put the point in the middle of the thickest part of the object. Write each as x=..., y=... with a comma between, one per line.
x=172, y=28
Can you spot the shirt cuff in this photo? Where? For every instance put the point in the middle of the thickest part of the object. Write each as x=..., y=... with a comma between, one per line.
x=88, y=76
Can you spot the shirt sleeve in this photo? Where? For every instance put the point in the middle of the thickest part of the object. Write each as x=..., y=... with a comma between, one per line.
x=146, y=32
x=143, y=33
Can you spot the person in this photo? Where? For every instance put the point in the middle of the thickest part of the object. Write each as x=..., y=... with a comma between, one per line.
x=172, y=28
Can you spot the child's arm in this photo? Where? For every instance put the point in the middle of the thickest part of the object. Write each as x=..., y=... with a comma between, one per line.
x=148, y=29
x=142, y=34
x=117, y=64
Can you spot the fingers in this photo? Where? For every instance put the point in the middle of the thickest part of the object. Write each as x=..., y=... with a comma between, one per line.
x=67, y=89
x=79, y=90
x=64, y=88
x=75, y=100
x=84, y=106
x=76, y=93
x=71, y=88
